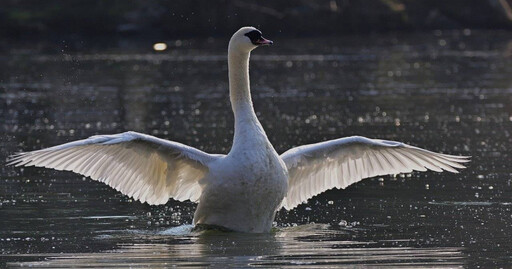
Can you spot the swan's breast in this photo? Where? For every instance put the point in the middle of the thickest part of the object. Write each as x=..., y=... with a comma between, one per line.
x=257, y=171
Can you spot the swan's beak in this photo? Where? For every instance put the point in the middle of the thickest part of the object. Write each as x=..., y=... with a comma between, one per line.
x=263, y=42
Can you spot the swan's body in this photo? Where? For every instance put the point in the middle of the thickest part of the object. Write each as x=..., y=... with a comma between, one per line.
x=242, y=190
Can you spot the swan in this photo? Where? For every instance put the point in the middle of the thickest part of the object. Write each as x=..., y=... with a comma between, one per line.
x=243, y=190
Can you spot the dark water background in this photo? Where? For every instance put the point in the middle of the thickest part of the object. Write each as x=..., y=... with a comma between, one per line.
x=445, y=91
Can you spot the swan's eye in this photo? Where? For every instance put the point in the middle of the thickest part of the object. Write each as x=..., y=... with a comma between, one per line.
x=254, y=36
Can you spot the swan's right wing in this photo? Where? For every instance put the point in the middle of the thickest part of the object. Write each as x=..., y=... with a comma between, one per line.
x=339, y=163
x=144, y=167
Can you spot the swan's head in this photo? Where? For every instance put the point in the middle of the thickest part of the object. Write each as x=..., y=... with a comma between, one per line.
x=247, y=39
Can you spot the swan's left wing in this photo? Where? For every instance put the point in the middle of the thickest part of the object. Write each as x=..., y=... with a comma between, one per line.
x=144, y=167
x=338, y=163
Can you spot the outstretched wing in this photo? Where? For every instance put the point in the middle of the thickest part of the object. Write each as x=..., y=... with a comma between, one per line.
x=144, y=167
x=338, y=163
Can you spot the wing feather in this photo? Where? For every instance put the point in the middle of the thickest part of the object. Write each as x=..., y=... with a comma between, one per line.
x=144, y=167
x=339, y=163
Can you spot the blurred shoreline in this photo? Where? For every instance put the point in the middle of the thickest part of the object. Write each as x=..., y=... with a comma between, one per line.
x=157, y=19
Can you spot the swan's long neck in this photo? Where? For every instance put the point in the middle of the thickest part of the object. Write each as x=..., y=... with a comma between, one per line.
x=239, y=89
x=247, y=125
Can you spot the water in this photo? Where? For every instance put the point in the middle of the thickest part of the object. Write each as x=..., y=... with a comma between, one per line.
x=449, y=92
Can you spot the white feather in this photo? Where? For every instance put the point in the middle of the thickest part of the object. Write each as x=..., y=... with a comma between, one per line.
x=339, y=163
x=144, y=167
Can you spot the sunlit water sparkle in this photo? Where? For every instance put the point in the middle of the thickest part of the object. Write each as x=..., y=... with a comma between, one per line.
x=455, y=98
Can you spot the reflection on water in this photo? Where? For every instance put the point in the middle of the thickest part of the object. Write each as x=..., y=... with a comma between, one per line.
x=449, y=92
x=307, y=246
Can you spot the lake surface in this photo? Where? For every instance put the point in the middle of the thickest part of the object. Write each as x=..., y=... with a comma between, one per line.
x=449, y=92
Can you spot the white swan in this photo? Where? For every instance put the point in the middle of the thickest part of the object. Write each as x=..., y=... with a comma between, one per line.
x=242, y=190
